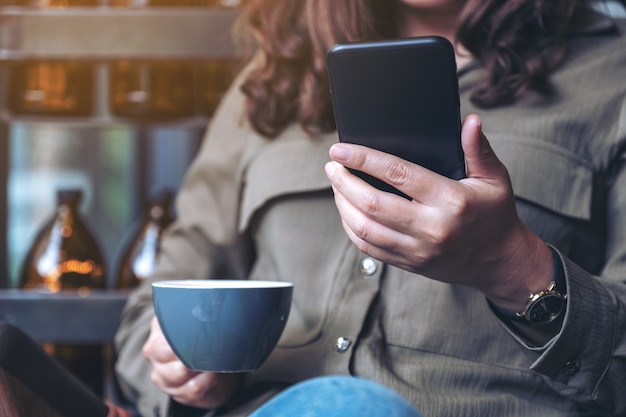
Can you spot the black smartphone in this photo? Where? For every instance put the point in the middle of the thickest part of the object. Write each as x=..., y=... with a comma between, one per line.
x=401, y=97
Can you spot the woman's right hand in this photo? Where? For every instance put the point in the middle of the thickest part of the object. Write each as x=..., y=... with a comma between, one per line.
x=192, y=388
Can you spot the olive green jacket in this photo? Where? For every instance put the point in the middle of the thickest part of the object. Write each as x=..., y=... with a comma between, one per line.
x=263, y=209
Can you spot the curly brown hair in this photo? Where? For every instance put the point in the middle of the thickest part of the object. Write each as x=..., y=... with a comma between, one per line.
x=519, y=43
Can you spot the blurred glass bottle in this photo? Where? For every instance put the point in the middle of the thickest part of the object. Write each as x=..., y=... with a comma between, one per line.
x=66, y=257
x=151, y=90
x=65, y=253
x=165, y=90
x=51, y=88
x=140, y=250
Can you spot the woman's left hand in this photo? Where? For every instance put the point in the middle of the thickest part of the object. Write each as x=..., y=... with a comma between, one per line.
x=463, y=232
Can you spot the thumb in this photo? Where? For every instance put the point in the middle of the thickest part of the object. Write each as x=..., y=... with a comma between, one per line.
x=480, y=158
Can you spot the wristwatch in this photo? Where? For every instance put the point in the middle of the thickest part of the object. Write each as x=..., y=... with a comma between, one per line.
x=543, y=307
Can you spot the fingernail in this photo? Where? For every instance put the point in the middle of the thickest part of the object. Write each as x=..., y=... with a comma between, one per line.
x=340, y=152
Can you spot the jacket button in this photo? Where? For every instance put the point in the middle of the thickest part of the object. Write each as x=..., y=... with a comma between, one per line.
x=342, y=344
x=368, y=266
x=571, y=367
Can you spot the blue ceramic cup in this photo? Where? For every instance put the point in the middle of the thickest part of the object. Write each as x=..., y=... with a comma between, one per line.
x=222, y=325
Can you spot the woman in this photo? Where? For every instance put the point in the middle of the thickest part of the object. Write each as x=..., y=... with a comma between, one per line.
x=418, y=295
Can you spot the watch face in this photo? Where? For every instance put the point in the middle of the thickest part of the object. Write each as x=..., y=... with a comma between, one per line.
x=546, y=309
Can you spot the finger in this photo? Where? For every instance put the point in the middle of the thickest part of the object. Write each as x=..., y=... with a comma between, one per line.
x=363, y=224
x=363, y=195
x=162, y=352
x=384, y=254
x=392, y=239
x=171, y=374
x=195, y=390
x=209, y=390
x=368, y=209
x=412, y=179
x=156, y=348
x=480, y=158
x=362, y=203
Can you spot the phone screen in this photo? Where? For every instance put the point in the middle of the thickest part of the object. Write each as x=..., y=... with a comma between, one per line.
x=400, y=97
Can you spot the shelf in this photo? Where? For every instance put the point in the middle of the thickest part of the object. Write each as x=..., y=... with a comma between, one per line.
x=64, y=317
x=104, y=120
x=103, y=33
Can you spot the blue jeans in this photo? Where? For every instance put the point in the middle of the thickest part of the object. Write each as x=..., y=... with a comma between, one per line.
x=337, y=396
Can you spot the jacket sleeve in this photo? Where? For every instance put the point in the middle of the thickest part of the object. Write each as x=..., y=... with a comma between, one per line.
x=586, y=361
x=202, y=243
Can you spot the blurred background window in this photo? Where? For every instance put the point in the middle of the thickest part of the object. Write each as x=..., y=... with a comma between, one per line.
x=113, y=116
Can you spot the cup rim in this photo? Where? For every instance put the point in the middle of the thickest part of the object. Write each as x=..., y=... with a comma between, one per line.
x=200, y=284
